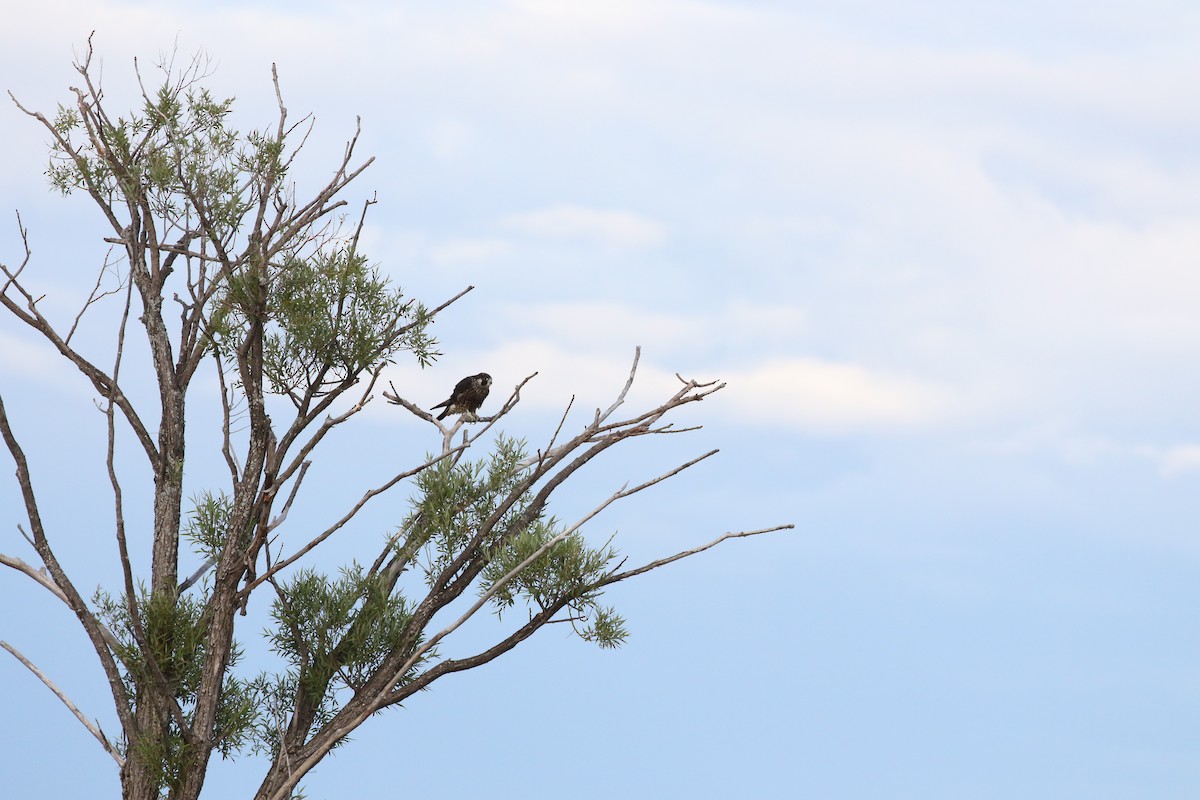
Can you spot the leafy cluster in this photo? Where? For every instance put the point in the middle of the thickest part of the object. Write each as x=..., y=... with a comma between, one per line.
x=329, y=317
x=567, y=569
x=457, y=500
x=174, y=632
x=334, y=633
x=176, y=152
x=208, y=522
x=347, y=624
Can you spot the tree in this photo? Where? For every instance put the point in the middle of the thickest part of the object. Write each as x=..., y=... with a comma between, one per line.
x=228, y=272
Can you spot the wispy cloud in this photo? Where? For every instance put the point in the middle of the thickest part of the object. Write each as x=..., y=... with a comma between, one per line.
x=605, y=227
x=827, y=397
x=1173, y=461
x=456, y=252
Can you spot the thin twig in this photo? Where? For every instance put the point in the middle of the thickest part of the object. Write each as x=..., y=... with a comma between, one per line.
x=620, y=576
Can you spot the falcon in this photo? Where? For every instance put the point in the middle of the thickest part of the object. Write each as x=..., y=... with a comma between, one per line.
x=468, y=395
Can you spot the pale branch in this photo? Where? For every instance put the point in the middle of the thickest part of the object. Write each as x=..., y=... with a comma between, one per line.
x=191, y=580
x=269, y=180
x=539, y=459
x=395, y=399
x=92, y=727
x=33, y=572
x=362, y=221
x=282, y=516
x=446, y=304
x=13, y=275
x=599, y=429
x=279, y=519
x=644, y=420
x=637, y=356
x=319, y=206
x=43, y=578
x=620, y=576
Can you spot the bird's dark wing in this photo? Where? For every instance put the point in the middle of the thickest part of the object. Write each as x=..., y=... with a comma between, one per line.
x=462, y=387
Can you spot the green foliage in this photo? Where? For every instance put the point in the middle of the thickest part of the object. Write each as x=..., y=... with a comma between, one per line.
x=208, y=523
x=456, y=500
x=274, y=698
x=176, y=152
x=334, y=633
x=566, y=570
x=175, y=631
x=329, y=317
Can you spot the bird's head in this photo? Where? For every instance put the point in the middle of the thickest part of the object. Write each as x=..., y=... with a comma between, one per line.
x=484, y=379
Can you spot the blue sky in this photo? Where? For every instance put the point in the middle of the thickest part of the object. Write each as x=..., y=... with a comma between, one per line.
x=944, y=254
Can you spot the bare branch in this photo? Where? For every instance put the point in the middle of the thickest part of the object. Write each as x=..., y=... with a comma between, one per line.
x=95, y=631
x=92, y=728
x=38, y=575
x=620, y=576
x=637, y=356
x=14, y=274
x=95, y=296
x=275, y=523
x=104, y=384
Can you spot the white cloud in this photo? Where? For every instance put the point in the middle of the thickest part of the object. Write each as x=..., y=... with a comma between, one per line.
x=605, y=325
x=609, y=228
x=32, y=359
x=826, y=397
x=1173, y=461
x=457, y=252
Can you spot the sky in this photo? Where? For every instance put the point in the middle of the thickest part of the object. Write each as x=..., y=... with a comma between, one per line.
x=943, y=254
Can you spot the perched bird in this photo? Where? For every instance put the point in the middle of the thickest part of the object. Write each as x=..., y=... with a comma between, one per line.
x=468, y=395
